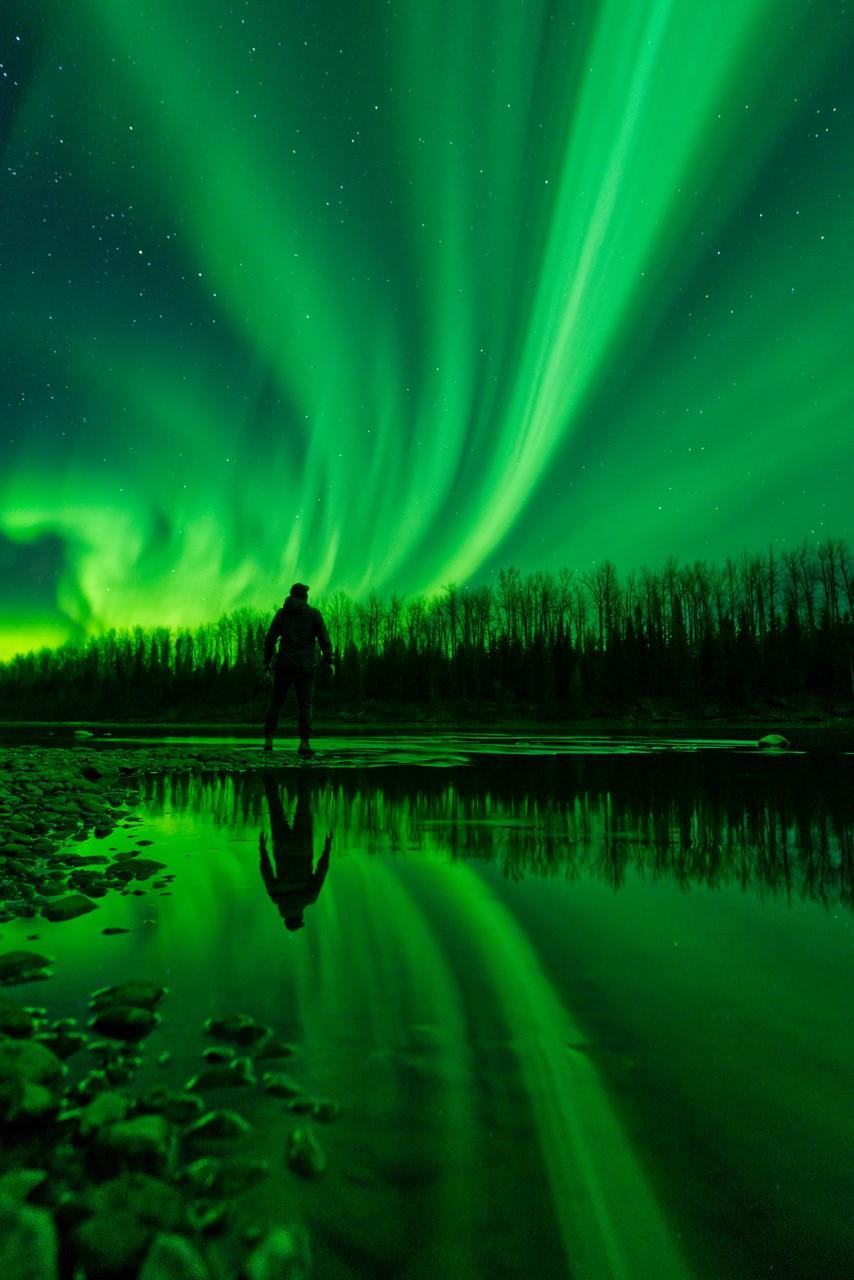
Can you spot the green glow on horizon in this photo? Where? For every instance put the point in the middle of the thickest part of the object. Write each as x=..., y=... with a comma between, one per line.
x=388, y=302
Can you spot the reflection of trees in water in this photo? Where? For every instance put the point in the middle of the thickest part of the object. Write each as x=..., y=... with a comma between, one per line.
x=782, y=825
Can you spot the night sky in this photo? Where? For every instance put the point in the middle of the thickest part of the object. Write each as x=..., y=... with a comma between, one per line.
x=391, y=295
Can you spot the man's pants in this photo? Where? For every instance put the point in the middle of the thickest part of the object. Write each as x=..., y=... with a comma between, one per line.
x=303, y=682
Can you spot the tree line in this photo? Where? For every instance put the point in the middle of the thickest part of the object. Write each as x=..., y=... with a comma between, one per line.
x=762, y=627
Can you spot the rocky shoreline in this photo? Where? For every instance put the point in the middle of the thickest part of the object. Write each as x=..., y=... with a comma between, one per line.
x=100, y=1178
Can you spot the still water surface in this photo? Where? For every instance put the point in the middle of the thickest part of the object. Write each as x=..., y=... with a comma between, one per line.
x=587, y=1015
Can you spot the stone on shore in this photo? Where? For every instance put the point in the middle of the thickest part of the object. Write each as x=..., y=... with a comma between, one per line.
x=142, y=995
x=219, y=1125
x=68, y=907
x=239, y=1028
x=283, y=1254
x=143, y=1144
x=172, y=1104
x=29, y=1247
x=305, y=1154
x=16, y=966
x=280, y=1085
x=171, y=1257
x=125, y=1022
x=224, y=1075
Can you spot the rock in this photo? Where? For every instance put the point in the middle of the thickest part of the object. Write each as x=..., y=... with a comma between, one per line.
x=303, y=1105
x=174, y=1106
x=202, y=1174
x=283, y=1254
x=209, y=1216
x=125, y=1022
x=94, y=771
x=304, y=1154
x=27, y=1060
x=106, y=1108
x=171, y=1257
x=235, y=1176
x=142, y=995
x=144, y=1144
x=225, y=1075
x=239, y=1029
x=274, y=1048
x=151, y=1200
x=280, y=1085
x=326, y=1110
x=18, y=1184
x=62, y=1043
x=111, y=1244
x=29, y=1248
x=773, y=741
x=68, y=907
x=15, y=963
x=219, y=1125
x=15, y=1021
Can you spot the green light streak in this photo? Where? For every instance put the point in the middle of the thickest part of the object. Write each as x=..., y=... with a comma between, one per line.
x=375, y=303
x=610, y=1222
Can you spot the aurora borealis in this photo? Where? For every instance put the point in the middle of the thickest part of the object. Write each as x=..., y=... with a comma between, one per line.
x=386, y=296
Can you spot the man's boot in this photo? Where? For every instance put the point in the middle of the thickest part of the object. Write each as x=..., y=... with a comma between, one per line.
x=304, y=748
x=268, y=742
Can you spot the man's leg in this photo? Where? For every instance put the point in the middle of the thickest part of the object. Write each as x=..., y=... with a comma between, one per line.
x=281, y=684
x=304, y=685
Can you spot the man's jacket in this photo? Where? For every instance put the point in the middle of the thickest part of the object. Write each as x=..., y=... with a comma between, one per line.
x=296, y=627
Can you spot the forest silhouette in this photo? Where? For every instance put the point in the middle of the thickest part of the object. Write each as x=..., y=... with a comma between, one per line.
x=760, y=629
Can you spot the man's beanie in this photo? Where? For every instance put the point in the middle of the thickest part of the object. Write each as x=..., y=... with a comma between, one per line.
x=300, y=590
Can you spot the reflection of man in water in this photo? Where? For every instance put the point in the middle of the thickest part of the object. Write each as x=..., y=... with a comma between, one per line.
x=294, y=883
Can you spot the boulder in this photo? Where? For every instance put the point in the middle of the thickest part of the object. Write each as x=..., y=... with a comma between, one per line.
x=15, y=1021
x=223, y=1075
x=111, y=1244
x=172, y=1104
x=239, y=1028
x=219, y=1125
x=171, y=1257
x=280, y=1085
x=326, y=1110
x=29, y=1247
x=27, y=1060
x=19, y=1184
x=16, y=965
x=151, y=1200
x=125, y=1022
x=773, y=742
x=283, y=1254
x=107, y=1108
x=142, y=995
x=305, y=1154
x=144, y=1144
x=68, y=907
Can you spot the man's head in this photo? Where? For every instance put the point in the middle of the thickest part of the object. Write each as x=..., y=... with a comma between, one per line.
x=299, y=591
x=292, y=923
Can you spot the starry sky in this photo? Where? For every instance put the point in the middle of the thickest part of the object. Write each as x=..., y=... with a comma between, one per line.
x=389, y=294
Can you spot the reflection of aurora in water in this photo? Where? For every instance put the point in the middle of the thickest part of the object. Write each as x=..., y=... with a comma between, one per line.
x=787, y=829
x=555, y=1077
x=538, y=1075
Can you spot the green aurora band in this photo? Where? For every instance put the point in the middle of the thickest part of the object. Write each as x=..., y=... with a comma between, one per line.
x=386, y=297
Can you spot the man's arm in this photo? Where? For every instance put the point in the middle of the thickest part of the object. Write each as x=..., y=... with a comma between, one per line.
x=271, y=638
x=323, y=638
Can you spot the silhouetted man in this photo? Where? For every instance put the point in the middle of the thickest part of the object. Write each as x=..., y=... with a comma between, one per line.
x=295, y=882
x=295, y=627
